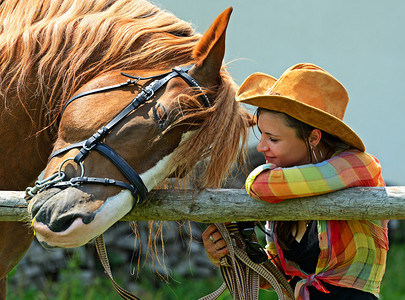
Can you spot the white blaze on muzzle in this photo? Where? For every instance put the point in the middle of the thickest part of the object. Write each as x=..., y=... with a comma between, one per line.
x=78, y=233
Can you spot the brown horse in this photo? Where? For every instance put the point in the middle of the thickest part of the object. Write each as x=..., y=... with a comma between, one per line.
x=52, y=50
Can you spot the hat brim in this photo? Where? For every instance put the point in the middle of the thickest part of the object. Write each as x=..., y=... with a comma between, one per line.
x=309, y=115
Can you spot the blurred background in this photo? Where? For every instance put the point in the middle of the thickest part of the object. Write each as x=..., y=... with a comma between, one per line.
x=359, y=42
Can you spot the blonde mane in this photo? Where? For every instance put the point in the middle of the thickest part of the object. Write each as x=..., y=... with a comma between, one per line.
x=50, y=48
x=62, y=44
x=222, y=133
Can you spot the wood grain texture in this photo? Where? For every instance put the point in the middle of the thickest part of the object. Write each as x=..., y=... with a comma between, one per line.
x=222, y=205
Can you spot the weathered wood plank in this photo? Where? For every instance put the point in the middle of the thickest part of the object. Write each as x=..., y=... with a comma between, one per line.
x=13, y=207
x=221, y=205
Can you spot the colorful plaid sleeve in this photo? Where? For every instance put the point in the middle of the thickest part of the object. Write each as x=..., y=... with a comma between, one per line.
x=346, y=169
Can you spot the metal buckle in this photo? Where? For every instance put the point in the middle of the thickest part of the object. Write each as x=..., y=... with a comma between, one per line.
x=149, y=91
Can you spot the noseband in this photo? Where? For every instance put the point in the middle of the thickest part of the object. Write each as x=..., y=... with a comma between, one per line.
x=95, y=142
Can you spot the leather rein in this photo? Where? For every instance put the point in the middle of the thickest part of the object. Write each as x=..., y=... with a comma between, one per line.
x=95, y=142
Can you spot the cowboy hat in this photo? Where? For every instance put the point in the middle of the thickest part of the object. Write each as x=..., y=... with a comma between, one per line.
x=306, y=93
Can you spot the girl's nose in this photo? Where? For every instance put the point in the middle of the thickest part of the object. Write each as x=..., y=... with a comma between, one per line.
x=262, y=146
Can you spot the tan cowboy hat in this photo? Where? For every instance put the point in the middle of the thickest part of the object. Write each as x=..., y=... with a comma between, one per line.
x=306, y=93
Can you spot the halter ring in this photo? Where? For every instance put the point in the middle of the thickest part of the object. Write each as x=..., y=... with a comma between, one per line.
x=71, y=158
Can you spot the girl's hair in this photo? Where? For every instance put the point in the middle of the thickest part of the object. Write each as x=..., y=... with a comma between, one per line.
x=303, y=131
x=283, y=229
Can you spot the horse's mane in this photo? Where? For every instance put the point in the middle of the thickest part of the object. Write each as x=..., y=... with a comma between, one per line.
x=222, y=132
x=61, y=44
x=50, y=48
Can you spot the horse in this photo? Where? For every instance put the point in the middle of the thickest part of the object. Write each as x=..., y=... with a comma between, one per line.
x=69, y=71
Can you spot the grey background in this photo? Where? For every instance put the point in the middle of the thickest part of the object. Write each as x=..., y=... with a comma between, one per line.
x=360, y=42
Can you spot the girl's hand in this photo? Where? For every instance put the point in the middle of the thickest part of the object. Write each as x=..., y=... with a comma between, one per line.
x=214, y=244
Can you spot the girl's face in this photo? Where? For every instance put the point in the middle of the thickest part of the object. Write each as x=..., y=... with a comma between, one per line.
x=279, y=143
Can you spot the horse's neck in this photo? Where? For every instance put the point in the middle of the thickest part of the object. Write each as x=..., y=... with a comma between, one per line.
x=24, y=149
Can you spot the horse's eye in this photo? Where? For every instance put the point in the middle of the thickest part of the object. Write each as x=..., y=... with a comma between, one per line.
x=160, y=115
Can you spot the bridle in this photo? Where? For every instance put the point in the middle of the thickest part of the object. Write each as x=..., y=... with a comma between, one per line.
x=136, y=186
x=95, y=142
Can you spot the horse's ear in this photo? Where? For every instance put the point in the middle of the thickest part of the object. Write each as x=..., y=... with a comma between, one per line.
x=210, y=50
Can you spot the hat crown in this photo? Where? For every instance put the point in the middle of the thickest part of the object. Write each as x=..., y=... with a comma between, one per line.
x=313, y=86
x=305, y=92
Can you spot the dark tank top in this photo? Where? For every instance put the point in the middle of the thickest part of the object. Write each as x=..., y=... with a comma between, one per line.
x=305, y=253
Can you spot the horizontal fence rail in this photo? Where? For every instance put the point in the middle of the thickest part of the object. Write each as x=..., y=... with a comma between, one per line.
x=223, y=205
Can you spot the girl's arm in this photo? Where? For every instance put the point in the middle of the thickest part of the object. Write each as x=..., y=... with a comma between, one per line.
x=346, y=169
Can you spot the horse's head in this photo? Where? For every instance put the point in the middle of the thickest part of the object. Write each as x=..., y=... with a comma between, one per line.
x=114, y=146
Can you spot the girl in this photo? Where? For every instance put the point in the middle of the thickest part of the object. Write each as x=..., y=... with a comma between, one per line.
x=309, y=151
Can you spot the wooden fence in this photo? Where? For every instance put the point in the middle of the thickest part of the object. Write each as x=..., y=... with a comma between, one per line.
x=222, y=205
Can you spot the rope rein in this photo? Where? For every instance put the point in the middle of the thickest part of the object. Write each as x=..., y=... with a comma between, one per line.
x=241, y=274
x=102, y=254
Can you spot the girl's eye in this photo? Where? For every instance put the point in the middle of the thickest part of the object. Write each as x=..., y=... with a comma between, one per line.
x=273, y=140
x=160, y=115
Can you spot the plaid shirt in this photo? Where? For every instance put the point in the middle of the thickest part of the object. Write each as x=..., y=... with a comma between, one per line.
x=353, y=253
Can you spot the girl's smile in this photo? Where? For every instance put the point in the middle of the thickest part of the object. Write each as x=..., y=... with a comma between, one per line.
x=279, y=143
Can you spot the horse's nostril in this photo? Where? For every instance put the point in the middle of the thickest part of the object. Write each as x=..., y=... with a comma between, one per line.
x=60, y=222
x=53, y=220
x=40, y=199
x=58, y=209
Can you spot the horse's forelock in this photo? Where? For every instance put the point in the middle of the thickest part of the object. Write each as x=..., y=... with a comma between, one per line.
x=221, y=137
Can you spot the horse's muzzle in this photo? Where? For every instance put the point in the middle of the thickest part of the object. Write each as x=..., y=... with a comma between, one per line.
x=57, y=208
x=71, y=217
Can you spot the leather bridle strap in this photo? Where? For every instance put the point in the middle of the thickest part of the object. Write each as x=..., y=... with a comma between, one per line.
x=95, y=142
x=182, y=71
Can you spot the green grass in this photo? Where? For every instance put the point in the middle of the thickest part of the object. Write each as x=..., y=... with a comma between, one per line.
x=180, y=289
x=70, y=286
x=393, y=285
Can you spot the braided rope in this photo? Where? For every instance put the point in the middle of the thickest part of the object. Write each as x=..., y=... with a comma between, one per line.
x=102, y=254
x=241, y=275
